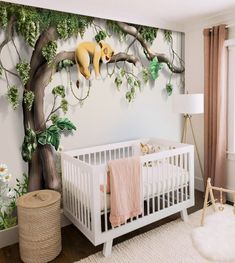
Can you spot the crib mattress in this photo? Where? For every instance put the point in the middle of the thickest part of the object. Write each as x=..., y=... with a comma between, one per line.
x=157, y=180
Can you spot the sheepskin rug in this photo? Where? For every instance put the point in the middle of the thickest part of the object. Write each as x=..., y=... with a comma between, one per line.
x=216, y=239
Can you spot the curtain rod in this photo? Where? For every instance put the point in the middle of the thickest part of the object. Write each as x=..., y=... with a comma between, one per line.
x=227, y=26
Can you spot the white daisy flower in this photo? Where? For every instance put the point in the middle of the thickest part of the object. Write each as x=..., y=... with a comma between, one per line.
x=11, y=194
x=3, y=169
x=6, y=178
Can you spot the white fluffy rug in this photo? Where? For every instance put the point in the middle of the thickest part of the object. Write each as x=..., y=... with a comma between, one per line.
x=170, y=243
x=216, y=239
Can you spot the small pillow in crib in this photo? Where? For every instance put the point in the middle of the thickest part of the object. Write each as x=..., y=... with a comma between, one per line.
x=107, y=185
x=146, y=148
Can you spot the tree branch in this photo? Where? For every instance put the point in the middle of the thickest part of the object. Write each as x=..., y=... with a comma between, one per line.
x=37, y=59
x=162, y=58
x=9, y=34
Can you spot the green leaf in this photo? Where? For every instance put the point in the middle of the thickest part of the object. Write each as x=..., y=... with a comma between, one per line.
x=148, y=33
x=54, y=118
x=101, y=35
x=13, y=97
x=169, y=89
x=168, y=36
x=130, y=95
x=23, y=69
x=118, y=82
x=64, y=64
x=3, y=17
x=62, y=29
x=49, y=51
x=145, y=75
x=155, y=67
x=64, y=105
x=29, y=145
x=59, y=90
x=129, y=80
x=50, y=136
x=114, y=27
x=122, y=72
x=65, y=124
x=28, y=99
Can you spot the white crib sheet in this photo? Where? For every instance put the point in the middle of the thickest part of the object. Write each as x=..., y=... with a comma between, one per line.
x=157, y=180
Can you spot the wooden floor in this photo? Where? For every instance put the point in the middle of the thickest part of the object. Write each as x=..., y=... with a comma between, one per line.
x=76, y=246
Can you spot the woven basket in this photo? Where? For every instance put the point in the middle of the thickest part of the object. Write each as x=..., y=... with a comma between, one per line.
x=39, y=226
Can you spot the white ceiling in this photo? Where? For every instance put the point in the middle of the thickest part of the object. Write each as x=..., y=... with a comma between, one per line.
x=171, y=14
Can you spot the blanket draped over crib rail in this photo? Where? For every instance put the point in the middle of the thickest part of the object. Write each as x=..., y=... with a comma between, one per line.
x=125, y=189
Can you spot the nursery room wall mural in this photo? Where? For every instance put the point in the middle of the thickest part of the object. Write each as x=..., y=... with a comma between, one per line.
x=74, y=80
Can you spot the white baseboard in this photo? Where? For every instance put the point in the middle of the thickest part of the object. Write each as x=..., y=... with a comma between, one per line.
x=10, y=236
x=199, y=185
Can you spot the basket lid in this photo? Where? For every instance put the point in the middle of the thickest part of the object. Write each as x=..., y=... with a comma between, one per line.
x=37, y=199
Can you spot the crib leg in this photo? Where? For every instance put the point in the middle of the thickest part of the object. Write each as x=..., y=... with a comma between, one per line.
x=107, y=248
x=184, y=215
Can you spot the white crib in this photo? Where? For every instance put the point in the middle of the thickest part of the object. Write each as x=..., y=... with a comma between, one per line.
x=168, y=185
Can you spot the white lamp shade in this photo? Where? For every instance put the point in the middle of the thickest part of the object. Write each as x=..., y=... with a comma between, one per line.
x=188, y=103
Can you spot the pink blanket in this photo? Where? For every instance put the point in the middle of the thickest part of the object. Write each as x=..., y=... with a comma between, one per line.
x=125, y=189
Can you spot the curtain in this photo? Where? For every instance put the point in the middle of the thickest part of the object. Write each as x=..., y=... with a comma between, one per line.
x=215, y=92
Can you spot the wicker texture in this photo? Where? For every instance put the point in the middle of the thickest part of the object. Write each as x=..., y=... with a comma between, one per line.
x=39, y=226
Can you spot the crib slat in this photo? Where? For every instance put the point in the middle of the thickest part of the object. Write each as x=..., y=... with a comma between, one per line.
x=147, y=167
x=186, y=174
x=168, y=183
x=153, y=185
x=181, y=177
x=72, y=190
x=163, y=183
x=158, y=187
x=172, y=180
x=105, y=202
x=76, y=193
x=177, y=174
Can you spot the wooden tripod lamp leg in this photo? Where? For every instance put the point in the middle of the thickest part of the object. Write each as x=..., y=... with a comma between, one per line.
x=205, y=202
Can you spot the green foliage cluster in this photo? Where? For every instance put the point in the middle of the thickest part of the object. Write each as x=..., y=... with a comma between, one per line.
x=29, y=145
x=148, y=33
x=53, y=133
x=133, y=83
x=49, y=51
x=28, y=99
x=23, y=69
x=59, y=91
x=8, y=217
x=30, y=21
x=155, y=67
x=168, y=36
x=27, y=23
x=70, y=25
x=50, y=135
x=145, y=75
x=3, y=16
x=64, y=105
x=169, y=89
x=101, y=35
x=20, y=189
x=13, y=97
x=64, y=64
x=114, y=28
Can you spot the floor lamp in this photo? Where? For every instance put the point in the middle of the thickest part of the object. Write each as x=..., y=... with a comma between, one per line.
x=189, y=104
